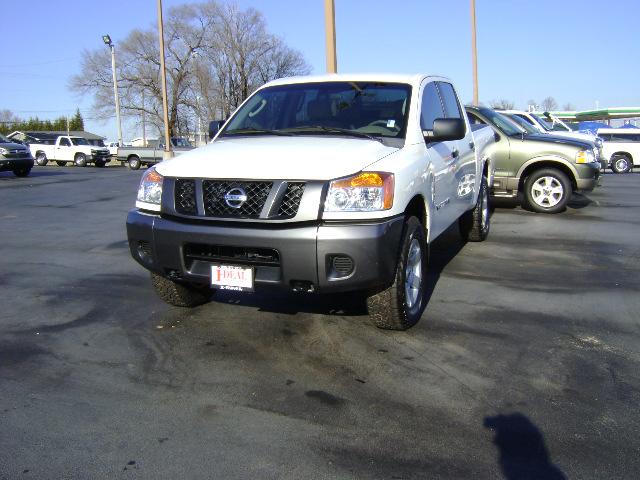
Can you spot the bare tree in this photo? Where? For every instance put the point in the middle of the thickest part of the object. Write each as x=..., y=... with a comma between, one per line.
x=502, y=104
x=549, y=104
x=215, y=56
x=568, y=106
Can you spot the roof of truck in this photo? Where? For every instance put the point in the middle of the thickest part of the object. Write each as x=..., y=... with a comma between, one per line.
x=410, y=78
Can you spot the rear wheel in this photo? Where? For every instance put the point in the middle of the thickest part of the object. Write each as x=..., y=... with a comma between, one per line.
x=61, y=163
x=400, y=306
x=179, y=294
x=474, y=224
x=22, y=172
x=41, y=159
x=621, y=163
x=80, y=160
x=547, y=190
x=134, y=162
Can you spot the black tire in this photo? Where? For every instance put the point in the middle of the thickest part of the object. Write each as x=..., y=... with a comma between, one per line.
x=100, y=163
x=22, y=172
x=61, y=163
x=179, y=294
x=621, y=163
x=80, y=160
x=388, y=309
x=134, y=162
x=547, y=191
x=475, y=223
x=41, y=159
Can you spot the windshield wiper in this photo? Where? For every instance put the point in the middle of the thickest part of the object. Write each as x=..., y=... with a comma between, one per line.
x=343, y=131
x=249, y=131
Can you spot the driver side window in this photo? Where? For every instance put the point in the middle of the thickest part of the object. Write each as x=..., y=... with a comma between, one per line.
x=431, y=107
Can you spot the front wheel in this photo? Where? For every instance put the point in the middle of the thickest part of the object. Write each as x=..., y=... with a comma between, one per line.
x=400, y=306
x=22, y=172
x=179, y=294
x=134, y=163
x=621, y=164
x=547, y=190
x=41, y=159
x=80, y=160
x=474, y=224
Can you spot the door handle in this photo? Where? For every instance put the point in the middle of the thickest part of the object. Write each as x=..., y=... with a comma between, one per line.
x=455, y=152
x=472, y=145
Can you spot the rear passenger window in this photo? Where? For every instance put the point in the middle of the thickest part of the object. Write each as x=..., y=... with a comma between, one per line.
x=526, y=119
x=431, y=107
x=474, y=120
x=449, y=100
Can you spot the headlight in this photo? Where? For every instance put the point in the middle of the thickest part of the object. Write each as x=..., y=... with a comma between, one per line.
x=585, y=156
x=150, y=191
x=3, y=151
x=365, y=192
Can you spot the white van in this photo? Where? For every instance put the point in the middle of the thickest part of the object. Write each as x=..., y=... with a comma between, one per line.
x=621, y=148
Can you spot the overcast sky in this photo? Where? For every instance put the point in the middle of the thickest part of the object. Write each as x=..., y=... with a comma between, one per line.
x=580, y=52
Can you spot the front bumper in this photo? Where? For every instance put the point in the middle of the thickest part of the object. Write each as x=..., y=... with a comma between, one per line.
x=15, y=163
x=306, y=253
x=588, y=176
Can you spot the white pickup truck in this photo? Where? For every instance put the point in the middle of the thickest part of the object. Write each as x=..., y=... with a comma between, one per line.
x=66, y=149
x=333, y=183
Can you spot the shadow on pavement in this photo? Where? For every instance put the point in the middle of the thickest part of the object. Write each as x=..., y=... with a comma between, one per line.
x=523, y=453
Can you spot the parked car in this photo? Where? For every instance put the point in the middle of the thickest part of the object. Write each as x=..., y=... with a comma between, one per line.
x=135, y=157
x=334, y=183
x=545, y=168
x=621, y=148
x=548, y=123
x=15, y=157
x=66, y=149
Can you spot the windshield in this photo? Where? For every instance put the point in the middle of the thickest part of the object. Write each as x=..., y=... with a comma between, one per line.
x=4, y=139
x=180, y=142
x=522, y=123
x=335, y=108
x=502, y=123
x=550, y=124
x=79, y=141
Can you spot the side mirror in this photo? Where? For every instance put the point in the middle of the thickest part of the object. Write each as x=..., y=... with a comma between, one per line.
x=214, y=127
x=445, y=129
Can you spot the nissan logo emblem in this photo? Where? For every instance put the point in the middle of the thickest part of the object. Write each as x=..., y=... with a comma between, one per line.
x=235, y=197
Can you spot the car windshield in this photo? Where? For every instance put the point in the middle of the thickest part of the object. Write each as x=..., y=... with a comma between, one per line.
x=359, y=109
x=79, y=141
x=522, y=123
x=503, y=123
x=4, y=139
x=549, y=124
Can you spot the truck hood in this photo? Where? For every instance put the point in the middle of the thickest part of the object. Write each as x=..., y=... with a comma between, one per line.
x=549, y=138
x=283, y=158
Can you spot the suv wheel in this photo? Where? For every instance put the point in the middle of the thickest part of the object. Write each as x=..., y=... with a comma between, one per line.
x=547, y=191
x=22, y=172
x=179, y=294
x=474, y=224
x=621, y=163
x=400, y=306
x=80, y=160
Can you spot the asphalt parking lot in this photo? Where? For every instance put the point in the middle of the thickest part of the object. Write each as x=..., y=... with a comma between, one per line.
x=526, y=363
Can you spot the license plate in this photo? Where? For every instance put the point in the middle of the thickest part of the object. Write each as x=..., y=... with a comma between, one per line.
x=232, y=277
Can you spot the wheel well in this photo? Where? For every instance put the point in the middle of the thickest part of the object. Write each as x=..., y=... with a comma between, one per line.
x=546, y=164
x=626, y=154
x=133, y=156
x=78, y=154
x=38, y=152
x=417, y=209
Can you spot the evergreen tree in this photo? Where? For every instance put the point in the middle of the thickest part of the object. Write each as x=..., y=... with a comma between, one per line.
x=76, y=122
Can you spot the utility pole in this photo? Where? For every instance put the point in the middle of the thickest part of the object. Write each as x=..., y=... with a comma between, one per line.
x=107, y=40
x=144, y=123
x=168, y=152
x=330, y=35
x=474, y=52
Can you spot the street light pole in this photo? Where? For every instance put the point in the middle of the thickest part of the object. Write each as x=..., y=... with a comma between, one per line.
x=168, y=153
x=107, y=40
x=474, y=52
x=330, y=35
